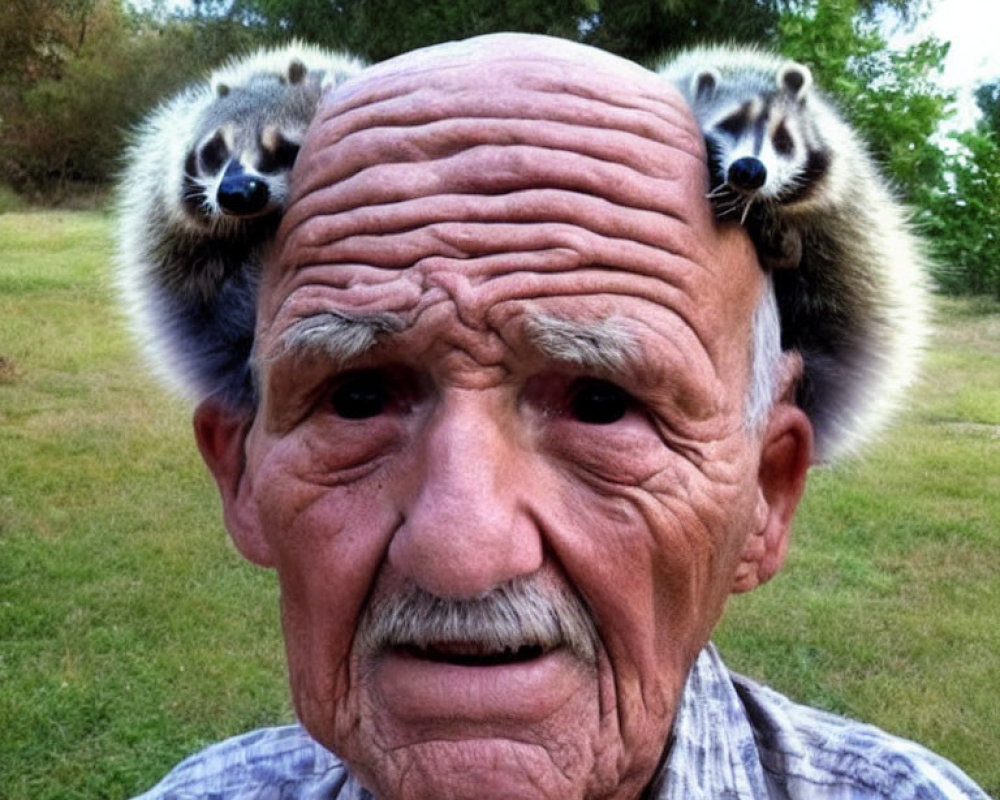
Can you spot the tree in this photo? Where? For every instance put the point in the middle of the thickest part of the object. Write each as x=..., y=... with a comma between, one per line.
x=379, y=29
x=890, y=97
x=642, y=30
x=988, y=100
x=84, y=73
x=646, y=30
x=965, y=221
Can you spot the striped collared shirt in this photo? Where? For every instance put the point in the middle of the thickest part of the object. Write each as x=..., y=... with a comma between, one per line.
x=732, y=740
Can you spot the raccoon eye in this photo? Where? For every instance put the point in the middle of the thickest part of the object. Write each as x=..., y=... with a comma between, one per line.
x=782, y=140
x=736, y=123
x=213, y=155
x=280, y=157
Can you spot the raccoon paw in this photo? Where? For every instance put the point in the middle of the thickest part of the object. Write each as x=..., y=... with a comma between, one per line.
x=780, y=250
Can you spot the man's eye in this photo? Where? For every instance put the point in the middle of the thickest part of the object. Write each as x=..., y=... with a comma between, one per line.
x=360, y=396
x=598, y=402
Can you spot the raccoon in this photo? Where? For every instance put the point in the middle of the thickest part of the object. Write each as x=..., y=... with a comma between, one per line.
x=850, y=276
x=199, y=200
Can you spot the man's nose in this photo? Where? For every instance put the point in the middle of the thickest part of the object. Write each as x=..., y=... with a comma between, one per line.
x=468, y=528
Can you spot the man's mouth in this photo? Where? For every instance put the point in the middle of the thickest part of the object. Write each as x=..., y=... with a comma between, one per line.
x=476, y=685
x=469, y=654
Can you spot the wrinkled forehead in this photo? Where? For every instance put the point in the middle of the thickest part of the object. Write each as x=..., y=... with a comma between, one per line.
x=526, y=166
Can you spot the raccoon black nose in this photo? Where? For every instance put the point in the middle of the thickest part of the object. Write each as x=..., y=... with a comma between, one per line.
x=241, y=194
x=747, y=173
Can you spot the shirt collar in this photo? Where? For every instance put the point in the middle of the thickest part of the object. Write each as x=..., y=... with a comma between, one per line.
x=713, y=755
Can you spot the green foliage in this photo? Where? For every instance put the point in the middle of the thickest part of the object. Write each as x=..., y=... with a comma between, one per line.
x=893, y=100
x=963, y=219
x=379, y=29
x=967, y=226
x=964, y=225
x=988, y=100
x=643, y=30
x=891, y=97
x=638, y=29
x=88, y=71
x=9, y=199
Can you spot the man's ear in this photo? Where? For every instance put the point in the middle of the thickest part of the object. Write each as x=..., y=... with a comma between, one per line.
x=786, y=455
x=221, y=436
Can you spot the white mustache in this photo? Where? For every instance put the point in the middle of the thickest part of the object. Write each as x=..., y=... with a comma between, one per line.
x=519, y=614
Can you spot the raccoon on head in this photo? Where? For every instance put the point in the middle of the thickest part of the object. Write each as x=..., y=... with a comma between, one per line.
x=765, y=147
x=849, y=274
x=201, y=195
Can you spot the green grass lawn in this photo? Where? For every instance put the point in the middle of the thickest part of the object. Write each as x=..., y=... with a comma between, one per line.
x=131, y=633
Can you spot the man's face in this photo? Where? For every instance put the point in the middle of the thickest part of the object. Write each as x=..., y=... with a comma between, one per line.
x=509, y=356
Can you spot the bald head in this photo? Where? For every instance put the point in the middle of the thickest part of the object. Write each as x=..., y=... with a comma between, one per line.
x=504, y=146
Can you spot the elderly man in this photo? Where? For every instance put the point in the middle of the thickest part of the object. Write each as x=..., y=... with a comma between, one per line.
x=524, y=425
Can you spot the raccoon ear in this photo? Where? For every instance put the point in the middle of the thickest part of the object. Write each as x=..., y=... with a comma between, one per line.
x=795, y=79
x=704, y=83
x=222, y=89
x=296, y=72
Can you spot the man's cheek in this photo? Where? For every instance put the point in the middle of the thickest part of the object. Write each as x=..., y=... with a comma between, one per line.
x=328, y=551
x=328, y=542
x=654, y=625
x=308, y=495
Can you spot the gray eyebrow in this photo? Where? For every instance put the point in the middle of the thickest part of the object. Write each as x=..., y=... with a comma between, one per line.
x=607, y=344
x=340, y=337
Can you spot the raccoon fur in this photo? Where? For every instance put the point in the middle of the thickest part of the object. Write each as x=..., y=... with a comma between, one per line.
x=849, y=274
x=199, y=200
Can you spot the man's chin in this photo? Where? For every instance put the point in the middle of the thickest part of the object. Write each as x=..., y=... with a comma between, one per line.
x=473, y=769
x=524, y=726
